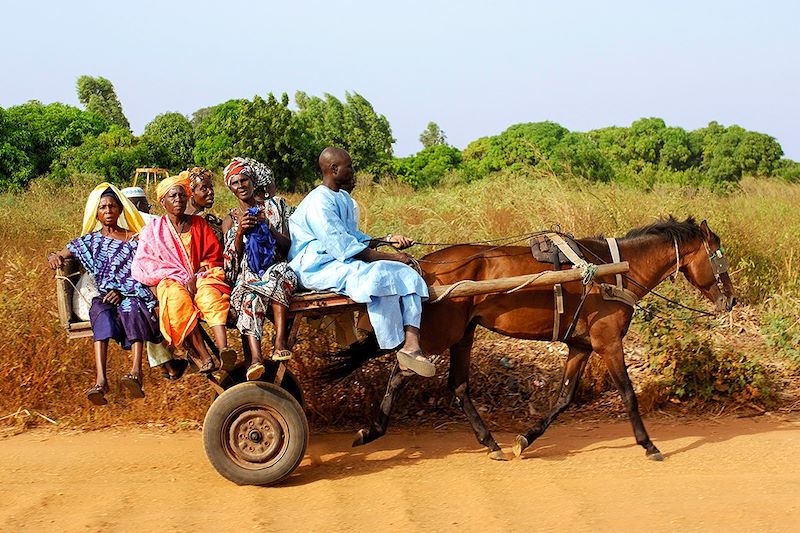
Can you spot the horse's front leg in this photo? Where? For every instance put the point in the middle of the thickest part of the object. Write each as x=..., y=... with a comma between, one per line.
x=377, y=429
x=614, y=357
x=573, y=369
x=459, y=384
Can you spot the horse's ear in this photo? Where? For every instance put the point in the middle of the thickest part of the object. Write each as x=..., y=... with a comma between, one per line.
x=705, y=228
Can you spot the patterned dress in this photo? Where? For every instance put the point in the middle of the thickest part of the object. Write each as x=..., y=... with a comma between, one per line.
x=251, y=294
x=109, y=261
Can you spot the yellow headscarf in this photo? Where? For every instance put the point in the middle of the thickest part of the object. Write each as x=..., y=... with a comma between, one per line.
x=129, y=218
x=166, y=184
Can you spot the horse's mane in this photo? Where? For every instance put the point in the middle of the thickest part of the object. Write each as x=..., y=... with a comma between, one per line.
x=670, y=229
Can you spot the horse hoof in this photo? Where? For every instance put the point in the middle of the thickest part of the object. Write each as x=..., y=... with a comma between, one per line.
x=497, y=455
x=520, y=443
x=655, y=456
x=361, y=438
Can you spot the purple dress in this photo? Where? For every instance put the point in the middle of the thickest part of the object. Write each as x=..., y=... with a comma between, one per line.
x=109, y=261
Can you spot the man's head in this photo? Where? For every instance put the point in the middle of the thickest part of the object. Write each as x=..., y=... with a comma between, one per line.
x=138, y=198
x=337, y=169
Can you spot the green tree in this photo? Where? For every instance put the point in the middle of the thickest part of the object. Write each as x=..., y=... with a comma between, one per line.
x=269, y=131
x=173, y=134
x=99, y=96
x=432, y=136
x=428, y=166
x=353, y=125
x=33, y=135
x=216, y=134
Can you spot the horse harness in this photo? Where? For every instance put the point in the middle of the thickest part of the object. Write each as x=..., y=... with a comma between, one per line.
x=557, y=249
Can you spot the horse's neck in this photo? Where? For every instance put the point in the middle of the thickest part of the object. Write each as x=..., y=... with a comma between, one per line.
x=651, y=259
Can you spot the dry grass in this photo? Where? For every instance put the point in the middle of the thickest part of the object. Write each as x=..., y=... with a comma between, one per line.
x=43, y=373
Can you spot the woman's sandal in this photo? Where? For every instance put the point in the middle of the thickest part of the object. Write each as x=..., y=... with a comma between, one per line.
x=207, y=368
x=255, y=371
x=97, y=395
x=178, y=366
x=281, y=355
x=227, y=357
x=132, y=383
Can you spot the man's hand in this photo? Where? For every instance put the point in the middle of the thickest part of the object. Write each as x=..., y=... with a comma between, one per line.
x=112, y=297
x=400, y=242
x=402, y=258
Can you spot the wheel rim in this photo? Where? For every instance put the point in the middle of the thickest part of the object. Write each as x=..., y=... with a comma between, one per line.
x=255, y=436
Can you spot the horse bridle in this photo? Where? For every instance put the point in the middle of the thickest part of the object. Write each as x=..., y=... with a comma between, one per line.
x=719, y=263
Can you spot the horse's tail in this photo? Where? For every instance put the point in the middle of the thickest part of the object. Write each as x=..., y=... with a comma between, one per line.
x=345, y=362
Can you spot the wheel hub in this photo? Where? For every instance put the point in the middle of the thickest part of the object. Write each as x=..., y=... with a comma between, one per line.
x=256, y=436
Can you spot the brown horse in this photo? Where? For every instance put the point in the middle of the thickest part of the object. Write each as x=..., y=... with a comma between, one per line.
x=653, y=252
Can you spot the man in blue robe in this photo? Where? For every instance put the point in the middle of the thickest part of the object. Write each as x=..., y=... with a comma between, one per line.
x=328, y=252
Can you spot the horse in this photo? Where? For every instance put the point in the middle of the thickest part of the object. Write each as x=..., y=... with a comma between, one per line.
x=654, y=252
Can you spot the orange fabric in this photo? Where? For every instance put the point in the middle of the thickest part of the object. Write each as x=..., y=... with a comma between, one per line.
x=179, y=312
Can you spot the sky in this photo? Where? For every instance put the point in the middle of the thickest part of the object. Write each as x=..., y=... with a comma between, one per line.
x=473, y=67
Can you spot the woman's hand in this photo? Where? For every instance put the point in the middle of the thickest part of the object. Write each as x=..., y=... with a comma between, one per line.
x=112, y=297
x=55, y=261
x=246, y=223
x=191, y=285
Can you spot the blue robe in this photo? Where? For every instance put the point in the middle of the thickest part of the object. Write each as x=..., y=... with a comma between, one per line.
x=325, y=239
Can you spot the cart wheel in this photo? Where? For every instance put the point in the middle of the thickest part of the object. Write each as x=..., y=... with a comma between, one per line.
x=289, y=382
x=255, y=434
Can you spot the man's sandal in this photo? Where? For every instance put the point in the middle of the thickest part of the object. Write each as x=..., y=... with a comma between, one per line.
x=255, y=371
x=281, y=355
x=417, y=363
x=97, y=395
x=132, y=383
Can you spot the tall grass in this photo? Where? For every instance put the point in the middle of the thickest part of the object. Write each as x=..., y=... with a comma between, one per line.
x=41, y=371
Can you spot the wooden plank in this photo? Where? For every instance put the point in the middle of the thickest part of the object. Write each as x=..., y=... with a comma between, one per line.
x=546, y=278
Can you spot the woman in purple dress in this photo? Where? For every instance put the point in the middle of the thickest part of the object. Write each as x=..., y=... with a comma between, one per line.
x=125, y=310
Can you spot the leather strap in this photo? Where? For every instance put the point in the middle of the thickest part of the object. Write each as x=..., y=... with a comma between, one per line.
x=617, y=292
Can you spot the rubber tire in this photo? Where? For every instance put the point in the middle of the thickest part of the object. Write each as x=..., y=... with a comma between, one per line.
x=259, y=393
x=289, y=382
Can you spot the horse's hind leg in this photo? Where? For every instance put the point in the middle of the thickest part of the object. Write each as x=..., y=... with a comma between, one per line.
x=377, y=429
x=613, y=355
x=459, y=384
x=573, y=369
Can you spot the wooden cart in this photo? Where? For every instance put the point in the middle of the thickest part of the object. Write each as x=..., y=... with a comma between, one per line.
x=256, y=433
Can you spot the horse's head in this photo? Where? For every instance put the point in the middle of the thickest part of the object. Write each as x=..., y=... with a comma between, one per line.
x=707, y=269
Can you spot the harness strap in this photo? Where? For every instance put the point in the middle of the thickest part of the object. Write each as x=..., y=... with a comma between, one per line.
x=567, y=250
x=617, y=292
x=558, y=309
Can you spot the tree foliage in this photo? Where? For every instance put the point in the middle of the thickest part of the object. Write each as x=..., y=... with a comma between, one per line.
x=353, y=125
x=428, y=166
x=432, y=136
x=99, y=97
x=33, y=135
x=173, y=136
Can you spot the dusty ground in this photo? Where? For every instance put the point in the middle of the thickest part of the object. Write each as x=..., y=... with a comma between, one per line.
x=731, y=474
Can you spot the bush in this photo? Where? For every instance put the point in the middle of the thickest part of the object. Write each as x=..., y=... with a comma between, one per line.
x=690, y=366
x=428, y=166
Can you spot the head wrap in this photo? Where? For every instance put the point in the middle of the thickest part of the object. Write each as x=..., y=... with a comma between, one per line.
x=263, y=173
x=129, y=218
x=196, y=174
x=133, y=192
x=166, y=184
x=236, y=167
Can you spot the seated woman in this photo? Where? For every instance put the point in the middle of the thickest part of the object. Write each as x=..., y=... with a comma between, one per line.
x=181, y=258
x=256, y=244
x=202, y=198
x=125, y=309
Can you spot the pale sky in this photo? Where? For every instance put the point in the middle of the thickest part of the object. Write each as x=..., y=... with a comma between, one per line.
x=474, y=67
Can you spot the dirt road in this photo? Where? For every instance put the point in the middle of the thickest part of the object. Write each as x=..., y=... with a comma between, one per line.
x=726, y=475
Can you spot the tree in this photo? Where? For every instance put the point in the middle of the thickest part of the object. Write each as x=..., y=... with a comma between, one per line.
x=174, y=135
x=267, y=130
x=99, y=97
x=353, y=125
x=216, y=134
x=33, y=135
x=428, y=166
x=432, y=136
